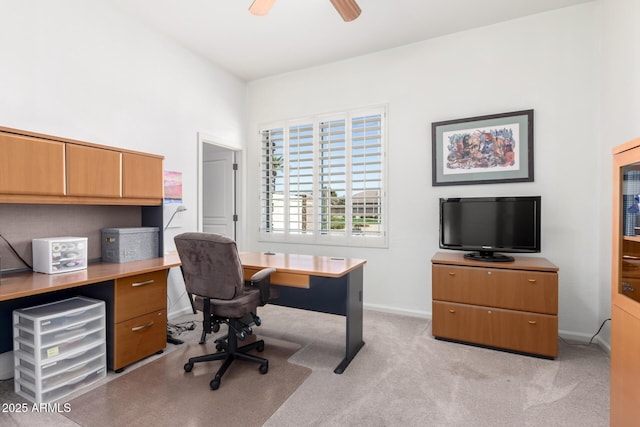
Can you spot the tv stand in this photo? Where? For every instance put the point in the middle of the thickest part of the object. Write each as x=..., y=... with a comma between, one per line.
x=488, y=256
x=509, y=306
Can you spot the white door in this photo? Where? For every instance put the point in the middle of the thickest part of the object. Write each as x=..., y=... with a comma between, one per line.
x=218, y=191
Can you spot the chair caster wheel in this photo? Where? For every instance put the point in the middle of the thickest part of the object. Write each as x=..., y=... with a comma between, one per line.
x=260, y=348
x=219, y=347
x=188, y=367
x=264, y=368
x=214, y=384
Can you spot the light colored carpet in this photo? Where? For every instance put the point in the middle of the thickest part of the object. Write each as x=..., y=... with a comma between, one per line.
x=404, y=377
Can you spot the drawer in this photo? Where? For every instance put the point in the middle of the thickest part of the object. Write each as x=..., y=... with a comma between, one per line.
x=72, y=312
x=33, y=394
x=54, y=368
x=140, y=294
x=138, y=338
x=293, y=280
x=64, y=349
x=61, y=336
x=534, y=291
x=63, y=378
x=507, y=329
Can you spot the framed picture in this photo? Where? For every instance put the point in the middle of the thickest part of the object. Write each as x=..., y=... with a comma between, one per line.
x=483, y=150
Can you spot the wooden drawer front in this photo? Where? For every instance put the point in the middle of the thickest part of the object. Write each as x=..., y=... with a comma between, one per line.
x=533, y=291
x=525, y=332
x=140, y=294
x=138, y=338
x=279, y=278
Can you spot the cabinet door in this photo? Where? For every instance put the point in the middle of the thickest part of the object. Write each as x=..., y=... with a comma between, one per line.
x=31, y=166
x=93, y=172
x=625, y=369
x=142, y=176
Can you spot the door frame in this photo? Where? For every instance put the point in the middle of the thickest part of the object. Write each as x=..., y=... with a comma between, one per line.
x=203, y=139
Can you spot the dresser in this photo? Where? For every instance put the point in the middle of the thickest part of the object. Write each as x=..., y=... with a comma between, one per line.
x=504, y=305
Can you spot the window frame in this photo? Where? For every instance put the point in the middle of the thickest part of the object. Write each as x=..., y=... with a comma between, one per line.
x=316, y=236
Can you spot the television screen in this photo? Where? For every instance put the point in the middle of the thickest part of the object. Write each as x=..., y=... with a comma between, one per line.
x=489, y=225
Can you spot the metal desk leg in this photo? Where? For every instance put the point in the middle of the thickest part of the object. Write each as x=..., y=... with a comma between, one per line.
x=354, y=340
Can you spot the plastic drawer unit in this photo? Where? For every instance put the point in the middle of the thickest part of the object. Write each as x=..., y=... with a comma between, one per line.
x=59, y=348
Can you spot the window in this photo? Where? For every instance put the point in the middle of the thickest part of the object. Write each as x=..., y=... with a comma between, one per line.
x=323, y=179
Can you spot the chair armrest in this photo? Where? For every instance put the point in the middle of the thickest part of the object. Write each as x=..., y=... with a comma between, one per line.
x=262, y=281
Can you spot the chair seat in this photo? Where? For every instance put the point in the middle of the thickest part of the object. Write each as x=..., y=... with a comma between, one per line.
x=234, y=308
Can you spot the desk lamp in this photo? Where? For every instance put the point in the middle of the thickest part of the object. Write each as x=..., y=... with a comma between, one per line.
x=180, y=208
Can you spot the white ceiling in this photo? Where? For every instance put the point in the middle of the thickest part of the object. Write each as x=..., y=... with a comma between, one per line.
x=298, y=34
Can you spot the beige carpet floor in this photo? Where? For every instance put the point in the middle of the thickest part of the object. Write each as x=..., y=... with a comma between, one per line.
x=401, y=377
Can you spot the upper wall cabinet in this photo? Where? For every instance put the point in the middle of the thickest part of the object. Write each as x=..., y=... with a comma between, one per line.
x=140, y=176
x=30, y=166
x=93, y=172
x=38, y=168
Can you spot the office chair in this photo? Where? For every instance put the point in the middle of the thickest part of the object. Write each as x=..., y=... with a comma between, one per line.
x=213, y=275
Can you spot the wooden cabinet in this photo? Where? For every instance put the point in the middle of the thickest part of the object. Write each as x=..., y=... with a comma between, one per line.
x=136, y=315
x=625, y=287
x=507, y=305
x=93, y=172
x=31, y=166
x=140, y=176
x=37, y=168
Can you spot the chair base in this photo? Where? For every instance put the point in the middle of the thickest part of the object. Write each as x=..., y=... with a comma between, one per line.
x=228, y=353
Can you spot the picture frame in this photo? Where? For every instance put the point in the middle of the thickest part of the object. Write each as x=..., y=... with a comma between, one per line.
x=496, y=148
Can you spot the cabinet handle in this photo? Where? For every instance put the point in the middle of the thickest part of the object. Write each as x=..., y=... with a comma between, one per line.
x=451, y=310
x=138, y=328
x=451, y=273
x=146, y=282
x=532, y=280
x=532, y=322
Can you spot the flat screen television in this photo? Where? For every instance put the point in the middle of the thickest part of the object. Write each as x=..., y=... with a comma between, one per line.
x=484, y=226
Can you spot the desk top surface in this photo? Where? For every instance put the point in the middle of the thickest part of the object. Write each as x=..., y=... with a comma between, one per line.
x=313, y=265
x=19, y=285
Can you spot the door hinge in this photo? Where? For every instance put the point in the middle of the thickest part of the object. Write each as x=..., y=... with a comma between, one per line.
x=235, y=166
x=235, y=217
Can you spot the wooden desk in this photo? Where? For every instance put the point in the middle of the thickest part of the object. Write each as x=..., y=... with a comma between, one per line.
x=136, y=301
x=317, y=283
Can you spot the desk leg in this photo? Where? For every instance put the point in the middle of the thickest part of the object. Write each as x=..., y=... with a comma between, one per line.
x=354, y=340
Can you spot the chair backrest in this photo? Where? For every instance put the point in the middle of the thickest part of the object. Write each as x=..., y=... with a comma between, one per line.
x=210, y=265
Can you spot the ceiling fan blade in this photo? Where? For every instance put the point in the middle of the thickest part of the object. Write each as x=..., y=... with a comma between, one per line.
x=261, y=7
x=348, y=9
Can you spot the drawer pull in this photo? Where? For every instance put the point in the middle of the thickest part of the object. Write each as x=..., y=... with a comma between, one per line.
x=451, y=310
x=451, y=273
x=146, y=282
x=532, y=280
x=532, y=322
x=139, y=328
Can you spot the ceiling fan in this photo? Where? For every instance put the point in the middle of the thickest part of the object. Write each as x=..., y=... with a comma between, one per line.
x=348, y=9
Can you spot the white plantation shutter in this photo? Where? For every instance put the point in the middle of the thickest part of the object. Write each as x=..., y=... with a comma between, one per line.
x=332, y=177
x=323, y=180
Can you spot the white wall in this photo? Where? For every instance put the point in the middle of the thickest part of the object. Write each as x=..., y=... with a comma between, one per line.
x=548, y=62
x=619, y=112
x=79, y=69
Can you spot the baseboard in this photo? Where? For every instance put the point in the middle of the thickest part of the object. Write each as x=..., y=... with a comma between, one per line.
x=178, y=313
x=395, y=310
x=6, y=365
